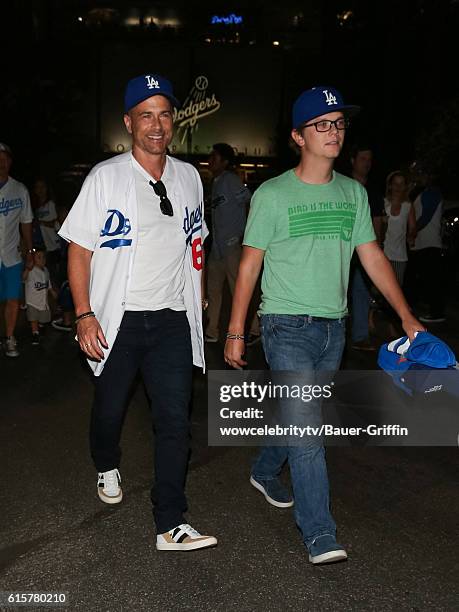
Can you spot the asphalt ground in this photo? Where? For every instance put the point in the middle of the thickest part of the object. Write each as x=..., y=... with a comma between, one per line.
x=396, y=508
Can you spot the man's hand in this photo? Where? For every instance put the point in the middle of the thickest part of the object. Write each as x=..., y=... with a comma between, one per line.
x=234, y=351
x=91, y=338
x=411, y=325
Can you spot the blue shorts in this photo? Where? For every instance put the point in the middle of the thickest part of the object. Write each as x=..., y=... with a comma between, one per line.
x=10, y=282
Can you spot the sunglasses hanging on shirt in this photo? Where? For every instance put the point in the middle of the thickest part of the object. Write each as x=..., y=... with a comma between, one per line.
x=164, y=202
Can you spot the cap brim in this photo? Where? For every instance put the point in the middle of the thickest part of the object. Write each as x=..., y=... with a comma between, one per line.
x=351, y=110
x=348, y=110
x=172, y=99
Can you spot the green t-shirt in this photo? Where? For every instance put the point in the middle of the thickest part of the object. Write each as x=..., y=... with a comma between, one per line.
x=308, y=233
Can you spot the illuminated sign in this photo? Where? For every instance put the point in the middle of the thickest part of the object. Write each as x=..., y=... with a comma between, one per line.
x=227, y=20
x=198, y=104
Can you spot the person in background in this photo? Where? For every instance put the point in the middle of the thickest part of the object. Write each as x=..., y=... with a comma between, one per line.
x=361, y=162
x=229, y=201
x=401, y=223
x=37, y=288
x=45, y=212
x=15, y=213
x=428, y=280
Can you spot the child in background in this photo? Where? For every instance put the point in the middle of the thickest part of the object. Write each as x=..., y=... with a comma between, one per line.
x=37, y=287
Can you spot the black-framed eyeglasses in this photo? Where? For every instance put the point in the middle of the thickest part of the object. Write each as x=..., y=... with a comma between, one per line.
x=164, y=203
x=325, y=125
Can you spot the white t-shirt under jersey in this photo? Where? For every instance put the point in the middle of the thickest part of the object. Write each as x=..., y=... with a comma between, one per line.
x=157, y=275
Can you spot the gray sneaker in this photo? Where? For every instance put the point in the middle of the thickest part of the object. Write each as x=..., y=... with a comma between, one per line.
x=11, y=347
x=109, y=486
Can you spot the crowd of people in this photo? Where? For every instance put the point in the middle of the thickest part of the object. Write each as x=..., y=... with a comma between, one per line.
x=33, y=263
x=134, y=251
x=406, y=217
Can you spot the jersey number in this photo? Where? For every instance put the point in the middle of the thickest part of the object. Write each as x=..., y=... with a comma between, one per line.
x=196, y=250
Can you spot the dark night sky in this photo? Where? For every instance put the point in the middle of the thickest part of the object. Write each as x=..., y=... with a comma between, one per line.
x=397, y=59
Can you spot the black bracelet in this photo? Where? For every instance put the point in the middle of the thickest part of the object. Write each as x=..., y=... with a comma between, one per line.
x=85, y=315
x=235, y=336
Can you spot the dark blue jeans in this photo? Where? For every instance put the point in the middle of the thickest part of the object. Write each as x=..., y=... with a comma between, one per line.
x=158, y=344
x=309, y=344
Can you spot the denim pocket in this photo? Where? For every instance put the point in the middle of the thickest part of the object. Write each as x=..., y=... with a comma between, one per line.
x=293, y=321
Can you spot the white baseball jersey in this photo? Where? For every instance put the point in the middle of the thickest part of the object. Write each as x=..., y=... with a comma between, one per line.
x=14, y=209
x=103, y=219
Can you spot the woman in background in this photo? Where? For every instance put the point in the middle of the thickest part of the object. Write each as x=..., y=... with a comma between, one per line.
x=401, y=223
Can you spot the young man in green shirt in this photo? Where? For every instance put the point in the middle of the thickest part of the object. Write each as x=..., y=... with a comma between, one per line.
x=304, y=225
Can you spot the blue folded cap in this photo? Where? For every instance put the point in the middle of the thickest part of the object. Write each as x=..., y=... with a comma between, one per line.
x=429, y=350
x=426, y=351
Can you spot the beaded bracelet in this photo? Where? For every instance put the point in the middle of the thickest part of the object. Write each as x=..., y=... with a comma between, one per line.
x=235, y=336
x=85, y=315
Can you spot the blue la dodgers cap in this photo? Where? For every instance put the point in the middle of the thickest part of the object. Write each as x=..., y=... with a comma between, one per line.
x=317, y=101
x=145, y=86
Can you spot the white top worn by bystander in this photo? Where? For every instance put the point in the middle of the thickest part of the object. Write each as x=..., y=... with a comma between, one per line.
x=396, y=234
x=47, y=212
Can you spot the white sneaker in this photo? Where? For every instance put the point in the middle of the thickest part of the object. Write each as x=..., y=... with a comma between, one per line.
x=108, y=487
x=184, y=537
x=11, y=347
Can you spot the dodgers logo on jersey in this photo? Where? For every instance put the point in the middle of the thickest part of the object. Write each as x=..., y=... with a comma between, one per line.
x=116, y=225
x=39, y=286
x=7, y=205
x=192, y=223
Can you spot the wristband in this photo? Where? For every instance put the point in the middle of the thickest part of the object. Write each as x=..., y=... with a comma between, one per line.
x=85, y=315
x=235, y=336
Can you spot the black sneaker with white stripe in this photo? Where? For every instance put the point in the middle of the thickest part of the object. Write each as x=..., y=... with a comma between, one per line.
x=184, y=537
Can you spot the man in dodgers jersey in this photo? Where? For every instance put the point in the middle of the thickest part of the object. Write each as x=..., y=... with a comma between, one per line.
x=305, y=225
x=135, y=263
x=15, y=212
